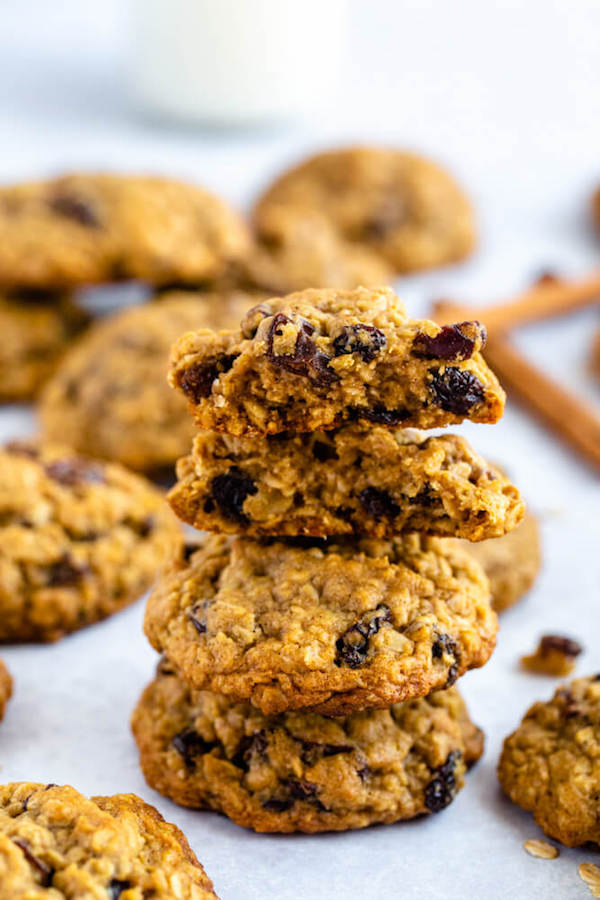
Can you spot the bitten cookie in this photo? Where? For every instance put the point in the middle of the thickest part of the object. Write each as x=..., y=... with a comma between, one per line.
x=398, y=207
x=79, y=540
x=36, y=327
x=550, y=765
x=56, y=843
x=301, y=771
x=511, y=563
x=319, y=359
x=336, y=626
x=353, y=480
x=94, y=228
x=6, y=688
x=110, y=397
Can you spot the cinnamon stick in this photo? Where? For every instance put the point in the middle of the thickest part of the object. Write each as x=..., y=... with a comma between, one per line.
x=549, y=296
x=573, y=420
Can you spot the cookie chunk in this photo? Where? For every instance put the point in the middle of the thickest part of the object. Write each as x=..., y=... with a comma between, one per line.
x=56, y=843
x=398, y=207
x=36, y=327
x=79, y=540
x=6, y=688
x=353, y=480
x=111, y=399
x=321, y=358
x=511, y=562
x=335, y=626
x=300, y=771
x=308, y=253
x=555, y=655
x=550, y=765
x=94, y=228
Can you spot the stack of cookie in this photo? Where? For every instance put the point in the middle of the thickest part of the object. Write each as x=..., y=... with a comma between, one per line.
x=311, y=645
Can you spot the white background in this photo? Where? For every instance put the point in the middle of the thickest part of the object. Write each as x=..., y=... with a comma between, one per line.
x=508, y=95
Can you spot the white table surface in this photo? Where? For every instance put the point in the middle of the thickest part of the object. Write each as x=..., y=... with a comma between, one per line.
x=508, y=95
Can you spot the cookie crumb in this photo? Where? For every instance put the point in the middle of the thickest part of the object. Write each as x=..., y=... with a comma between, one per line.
x=555, y=655
x=590, y=873
x=541, y=849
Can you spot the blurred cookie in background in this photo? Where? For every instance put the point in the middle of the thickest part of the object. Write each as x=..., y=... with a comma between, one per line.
x=110, y=397
x=511, y=562
x=79, y=540
x=93, y=228
x=307, y=252
x=37, y=327
x=394, y=208
x=6, y=688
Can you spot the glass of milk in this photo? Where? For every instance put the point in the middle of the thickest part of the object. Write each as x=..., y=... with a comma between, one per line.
x=236, y=62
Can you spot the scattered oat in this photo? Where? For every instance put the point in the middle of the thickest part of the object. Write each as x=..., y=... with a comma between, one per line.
x=541, y=849
x=590, y=873
x=555, y=655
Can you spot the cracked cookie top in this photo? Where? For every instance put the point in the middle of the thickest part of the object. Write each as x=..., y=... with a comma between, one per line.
x=55, y=844
x=336, y=626
x=321, y=358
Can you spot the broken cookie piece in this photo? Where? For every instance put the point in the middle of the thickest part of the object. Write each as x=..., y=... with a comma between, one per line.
x=322, y=358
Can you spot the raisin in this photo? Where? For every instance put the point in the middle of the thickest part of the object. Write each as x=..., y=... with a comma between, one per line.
x=189, y=745
x=313, y=751
x=570, y=707
x=366, y=340
x=188, y=550
x=45, y=871
x=453, y=342
x=116, y=886
x=441, y=790
x=74, y=208
x=278, y=805
x=71, y=472
x=379, y=415
x=144, y=528
x=364, y=772
x=560, y=644
x=196, y=617
x=323, y=452
x=306, y=360
x=252, y=320
x=230, y=490
x=197, y=380
x=387, y=217
x=378, y=503
x=444, y=645
x=65, y=572
x=301, y=790
x=21, y=448
x=353, y=646
x=456, y=390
